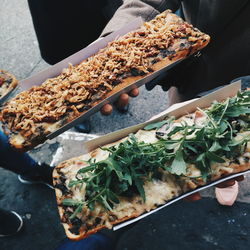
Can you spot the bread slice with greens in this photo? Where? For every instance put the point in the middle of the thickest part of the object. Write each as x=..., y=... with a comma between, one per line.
x=147, y=169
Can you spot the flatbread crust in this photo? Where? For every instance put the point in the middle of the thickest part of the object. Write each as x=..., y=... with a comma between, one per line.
x=176, y=186
x=7, y=83
x=28, y=127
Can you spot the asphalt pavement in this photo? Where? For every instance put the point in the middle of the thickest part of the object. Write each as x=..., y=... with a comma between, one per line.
x=183, y=225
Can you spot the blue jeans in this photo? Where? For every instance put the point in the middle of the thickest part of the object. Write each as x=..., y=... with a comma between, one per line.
x=20, y=163
x=96, y=241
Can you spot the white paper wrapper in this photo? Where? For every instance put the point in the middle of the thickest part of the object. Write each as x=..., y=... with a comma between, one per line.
x=70, y=145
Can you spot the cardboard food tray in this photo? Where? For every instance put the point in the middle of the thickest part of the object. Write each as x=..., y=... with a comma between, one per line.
x=78, y=57
x=176, y=110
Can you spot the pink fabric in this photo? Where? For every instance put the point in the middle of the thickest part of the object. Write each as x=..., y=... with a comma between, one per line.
x=227, y=196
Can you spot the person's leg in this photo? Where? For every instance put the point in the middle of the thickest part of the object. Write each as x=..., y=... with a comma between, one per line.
x=29, y=171
x=10, y=223
x=96, y=241
x=105, y=239
x=20, y=163
x=64, y=27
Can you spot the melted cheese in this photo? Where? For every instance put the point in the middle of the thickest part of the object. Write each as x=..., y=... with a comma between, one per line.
x=200, y=121
x=193, y=171
x=242, y=135
x=146, y=136
x=157, y=192
x=189, y=120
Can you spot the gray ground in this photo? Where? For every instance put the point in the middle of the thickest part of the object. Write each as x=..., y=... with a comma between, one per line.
x=200, y=225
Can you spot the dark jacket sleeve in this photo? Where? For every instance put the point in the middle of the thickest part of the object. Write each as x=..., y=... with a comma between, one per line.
x=130, y=9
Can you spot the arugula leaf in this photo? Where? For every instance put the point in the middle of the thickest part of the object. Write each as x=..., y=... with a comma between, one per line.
x=155, y=125
x=71, y=202
x=112, y=165
x=105, y=203
x=213, y=157
x=201, y=161
x=178, y=165
x=75, y=182
x=190, y=147
x=121, y=187
x=78, y=210
x=113, y=197
x=215, y=147
x=237, y=111
x=139, y=185
x=91, y=205
x=176, y=129
x=223, y=127
x=128, y=178
x=85, y=169
x=239, y=141
x=172, y=145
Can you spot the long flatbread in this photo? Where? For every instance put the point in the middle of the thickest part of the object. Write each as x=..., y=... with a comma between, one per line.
x=143, y=171
x=35, y=113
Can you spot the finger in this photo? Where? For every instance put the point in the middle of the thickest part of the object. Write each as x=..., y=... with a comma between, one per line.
x=106, y=109
x=193, y=197
x=122, y=101
x=225, y=184
x=134, y=92
x=240, y=178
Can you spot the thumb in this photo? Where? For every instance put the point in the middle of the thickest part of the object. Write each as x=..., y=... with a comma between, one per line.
x=158, y=80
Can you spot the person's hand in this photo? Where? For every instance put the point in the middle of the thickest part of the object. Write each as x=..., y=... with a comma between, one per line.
x=122, y=101
x=225, y=184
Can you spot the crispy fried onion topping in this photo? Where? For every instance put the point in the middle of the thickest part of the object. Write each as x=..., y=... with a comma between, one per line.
x=78, y=87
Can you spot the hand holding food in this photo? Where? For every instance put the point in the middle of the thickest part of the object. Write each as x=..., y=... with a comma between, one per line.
x=121, y=102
